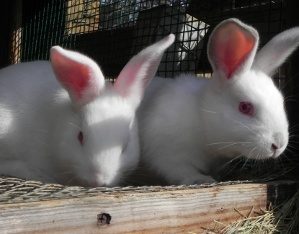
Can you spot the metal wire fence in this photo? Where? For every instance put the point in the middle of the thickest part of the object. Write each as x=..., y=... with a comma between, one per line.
x=111, y=31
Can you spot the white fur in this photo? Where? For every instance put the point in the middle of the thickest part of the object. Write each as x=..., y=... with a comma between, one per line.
x=190, y=127
x=40, y=119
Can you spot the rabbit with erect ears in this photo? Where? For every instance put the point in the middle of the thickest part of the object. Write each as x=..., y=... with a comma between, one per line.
x=190, y=127
x=78, y=130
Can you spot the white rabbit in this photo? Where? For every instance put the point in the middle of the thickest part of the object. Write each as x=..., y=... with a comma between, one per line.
x=76, y=131
x=190, y=127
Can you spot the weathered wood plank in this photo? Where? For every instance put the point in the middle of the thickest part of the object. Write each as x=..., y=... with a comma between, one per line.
x=149, y=212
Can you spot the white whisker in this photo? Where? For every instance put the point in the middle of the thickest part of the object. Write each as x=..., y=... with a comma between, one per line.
x=229, y=142
x=208, y=111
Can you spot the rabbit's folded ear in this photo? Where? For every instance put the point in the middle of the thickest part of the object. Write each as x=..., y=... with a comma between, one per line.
x=138, y=72
x=232, y=47
x=276, y=51
x=78, y=74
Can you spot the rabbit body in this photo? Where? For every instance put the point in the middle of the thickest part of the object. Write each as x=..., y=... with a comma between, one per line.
x=172, y=132
x=60, y=122
x=190, y=128
x=39, y=127
x=23, y=122
x=197, y=133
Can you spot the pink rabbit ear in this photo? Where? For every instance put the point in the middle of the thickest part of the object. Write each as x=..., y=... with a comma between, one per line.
x=232, y=47
x=139, y=71
x=78, y=74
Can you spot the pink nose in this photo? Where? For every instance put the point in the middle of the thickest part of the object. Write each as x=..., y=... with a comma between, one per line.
x=274, y=147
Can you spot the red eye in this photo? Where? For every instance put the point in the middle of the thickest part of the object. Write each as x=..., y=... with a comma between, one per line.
x=246, y=108
x=80, y=137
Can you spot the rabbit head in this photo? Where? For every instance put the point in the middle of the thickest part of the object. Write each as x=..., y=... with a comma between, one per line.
x=246, y=111
x=97, y=133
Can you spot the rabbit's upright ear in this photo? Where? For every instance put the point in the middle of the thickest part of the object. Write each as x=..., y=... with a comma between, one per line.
x=232, y=47
x=78, y=74
x=276, y=51
x=138, y=72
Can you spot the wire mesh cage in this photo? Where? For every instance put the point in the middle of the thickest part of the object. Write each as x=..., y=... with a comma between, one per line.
x=112, y=31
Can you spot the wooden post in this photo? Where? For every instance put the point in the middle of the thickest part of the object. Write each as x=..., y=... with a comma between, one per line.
x=143, y=210
x=16, y=34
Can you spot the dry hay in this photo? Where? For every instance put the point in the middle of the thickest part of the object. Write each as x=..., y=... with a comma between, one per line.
x=282, y=219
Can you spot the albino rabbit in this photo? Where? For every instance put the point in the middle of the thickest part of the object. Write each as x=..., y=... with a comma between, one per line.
x=78, y=130
x=190, y=127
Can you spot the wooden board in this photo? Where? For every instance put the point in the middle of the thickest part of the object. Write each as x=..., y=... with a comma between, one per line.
x=154, y=211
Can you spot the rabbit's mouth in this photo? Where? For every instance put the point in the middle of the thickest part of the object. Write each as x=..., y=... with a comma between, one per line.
x=278, y=152
x=102, y=179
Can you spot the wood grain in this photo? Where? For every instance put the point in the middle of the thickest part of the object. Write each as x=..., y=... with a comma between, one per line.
x=173, y=211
